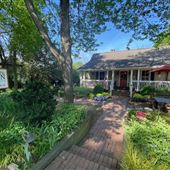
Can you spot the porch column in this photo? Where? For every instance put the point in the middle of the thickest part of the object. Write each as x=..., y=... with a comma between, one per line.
x=84, y=79
x=112, y=83
x=131, y=82
x=107, y=79
x=81, y=78
x=138, y=79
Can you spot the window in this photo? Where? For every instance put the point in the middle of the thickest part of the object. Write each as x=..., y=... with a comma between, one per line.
x=102, y=75
x=145, y=75
x=92, y=75
x=97, y=75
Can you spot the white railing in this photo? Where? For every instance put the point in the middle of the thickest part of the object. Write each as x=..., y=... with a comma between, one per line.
x=137, y=85
x=93, y=83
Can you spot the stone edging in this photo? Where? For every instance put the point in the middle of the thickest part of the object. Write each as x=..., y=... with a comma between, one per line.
x=71, y=139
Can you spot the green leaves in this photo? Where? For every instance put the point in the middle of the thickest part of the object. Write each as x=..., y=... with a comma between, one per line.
x=152, y=138
x=15, y=135
x=24, y=36
x=37, y=102
x=82, y=91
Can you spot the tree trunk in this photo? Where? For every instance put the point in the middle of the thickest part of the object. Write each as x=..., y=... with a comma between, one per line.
x=14, y=69
x=3, y=62
x=64, y=58
x=66, y=51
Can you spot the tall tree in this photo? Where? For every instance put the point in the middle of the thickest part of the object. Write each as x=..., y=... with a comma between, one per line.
x=19, y=38
x=64, y=57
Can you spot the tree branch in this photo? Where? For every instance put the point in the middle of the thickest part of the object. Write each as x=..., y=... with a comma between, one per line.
x=2, y=54
x=38, y=22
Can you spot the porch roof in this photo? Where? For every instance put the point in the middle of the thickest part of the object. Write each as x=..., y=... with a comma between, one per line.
x=146, y=57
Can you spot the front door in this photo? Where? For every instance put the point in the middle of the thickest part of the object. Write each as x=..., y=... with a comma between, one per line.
x=123, y=79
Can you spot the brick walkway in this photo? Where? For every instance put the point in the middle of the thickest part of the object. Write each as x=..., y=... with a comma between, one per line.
x=102, y=148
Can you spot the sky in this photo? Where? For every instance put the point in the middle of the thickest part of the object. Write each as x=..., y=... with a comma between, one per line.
x=114, y=39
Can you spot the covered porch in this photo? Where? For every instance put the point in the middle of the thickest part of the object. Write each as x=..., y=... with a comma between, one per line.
x=124, y=79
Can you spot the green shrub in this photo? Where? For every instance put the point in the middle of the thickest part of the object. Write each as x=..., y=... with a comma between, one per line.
x=9, y=110
x=98, y=89
x=131, y=114
x=11, y=144
x=66, y=118
x=153, y=116
x=80, y=92
x=105, y=94
x=151, y=138
x=7, y=105
x=166, y=117
x=163, y=91
x=139, y=97
x=36, y=100
x=135, y=160
x=55, y=90
x=61, y=92
x=147, y=90
x=91, y=95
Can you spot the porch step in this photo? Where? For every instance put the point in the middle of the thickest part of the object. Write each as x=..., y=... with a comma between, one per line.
x=94, y=156
x=69, y=161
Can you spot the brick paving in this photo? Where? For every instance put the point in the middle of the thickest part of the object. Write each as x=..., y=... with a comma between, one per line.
x=102, y=147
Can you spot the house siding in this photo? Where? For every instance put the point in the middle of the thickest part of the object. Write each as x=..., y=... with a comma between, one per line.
x=162, y=76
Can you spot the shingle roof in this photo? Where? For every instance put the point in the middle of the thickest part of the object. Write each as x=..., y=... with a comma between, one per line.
x=146, y=57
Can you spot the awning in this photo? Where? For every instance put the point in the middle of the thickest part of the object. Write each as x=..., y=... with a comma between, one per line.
x=165, y=68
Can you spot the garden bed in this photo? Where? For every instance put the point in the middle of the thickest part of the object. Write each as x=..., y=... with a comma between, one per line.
x=147, y=143
x=24, y=143
x=73, y=138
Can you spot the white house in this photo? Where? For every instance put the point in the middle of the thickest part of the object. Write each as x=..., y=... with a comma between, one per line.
x=129, y=69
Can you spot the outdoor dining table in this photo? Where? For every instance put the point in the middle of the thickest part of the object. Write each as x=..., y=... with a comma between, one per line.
x=161, y=101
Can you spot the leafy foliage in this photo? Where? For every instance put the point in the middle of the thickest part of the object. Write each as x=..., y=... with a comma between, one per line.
x=98, y=89
x=36, y=101
x=82, y=91
x=65, y=119
x=91, y=96
x=150, y=90
x=147, y=90
x=133, y=159
x=13, y=147
x=105, y=94
x=15, y=22
x=9, y=110
x=141, y=98
x=151, y=138
x=76, y=74
x=163, y=91
x=163, y=38
x=146, y=18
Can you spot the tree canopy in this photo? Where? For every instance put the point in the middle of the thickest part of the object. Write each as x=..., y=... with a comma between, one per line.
x=163, y=38
x=17, y=28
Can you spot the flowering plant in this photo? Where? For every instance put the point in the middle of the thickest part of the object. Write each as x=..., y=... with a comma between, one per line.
x=140, y=115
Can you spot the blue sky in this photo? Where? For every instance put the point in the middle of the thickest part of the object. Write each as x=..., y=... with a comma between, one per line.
x=114, y=39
